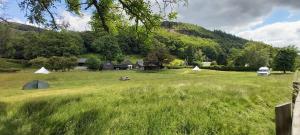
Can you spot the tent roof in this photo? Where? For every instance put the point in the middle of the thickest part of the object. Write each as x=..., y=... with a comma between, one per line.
x=196, y=69
x=42, y=71
x=263, y=68
x=36, y=84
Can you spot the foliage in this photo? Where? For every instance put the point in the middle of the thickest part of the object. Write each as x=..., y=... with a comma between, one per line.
x=214, y=63
x=10, y=63
x=230, y=68
x=159, y=56
x=93, y=63
x=107, y=46
x=132, y=42
x=39, y=62
x=9, y=70
x=285, y=59
x=105, y=13
x=177, y=62
x=184, y=43
x=55, y=63
x=194, y=55
x=255, y=55
x=53, y=44
x=88, y=38
x=30, y=45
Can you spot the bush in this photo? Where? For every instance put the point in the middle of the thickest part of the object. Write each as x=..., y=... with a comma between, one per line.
x=23, y=62
x=93, y=63
x=178, y=67
x=214, y=63
x=62, y=63
x=39, y=62
x=227, y=68
x=55, y=63
x=70, y=63
x=9, y=70
x=177, y=62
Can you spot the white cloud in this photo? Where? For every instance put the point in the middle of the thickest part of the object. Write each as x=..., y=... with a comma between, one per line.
x=231, y=14
x=77, y=23
x=277, y=34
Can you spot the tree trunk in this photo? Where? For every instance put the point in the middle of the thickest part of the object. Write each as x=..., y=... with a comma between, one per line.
x=101, y=15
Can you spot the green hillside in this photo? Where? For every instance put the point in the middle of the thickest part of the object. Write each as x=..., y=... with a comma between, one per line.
x=226, y=41
x=184, y=41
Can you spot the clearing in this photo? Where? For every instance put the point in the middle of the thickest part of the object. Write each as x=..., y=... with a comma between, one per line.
x=166, y=102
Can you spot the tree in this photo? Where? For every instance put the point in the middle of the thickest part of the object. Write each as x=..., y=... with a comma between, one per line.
x=88, y=38
x=39, y=62
x=255, y=55
x=93, y=63
x=49, y=43
x=285, y=59
x=140, y=11
x=107, y=46
x=159, y=56
x=194, y=55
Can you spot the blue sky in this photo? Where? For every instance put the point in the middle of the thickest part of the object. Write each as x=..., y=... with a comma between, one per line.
x=276, y=22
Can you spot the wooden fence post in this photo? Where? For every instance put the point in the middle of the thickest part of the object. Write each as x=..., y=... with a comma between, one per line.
x=283, y=119
x=296, y=89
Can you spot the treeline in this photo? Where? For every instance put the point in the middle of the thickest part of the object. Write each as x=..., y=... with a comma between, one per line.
x=191, y=43
x=29, y=45
x=26, y=43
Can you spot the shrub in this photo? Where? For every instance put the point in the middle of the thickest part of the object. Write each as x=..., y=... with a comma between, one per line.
x=178, y=67
x=93, y=63
x=177, y=62
x=9, y=70
x=57, y=63
x=214, y=63
x=39, y=62
x=70, y=63
x=227, y=68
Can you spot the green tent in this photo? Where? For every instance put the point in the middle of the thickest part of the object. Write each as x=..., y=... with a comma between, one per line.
x=36, y=84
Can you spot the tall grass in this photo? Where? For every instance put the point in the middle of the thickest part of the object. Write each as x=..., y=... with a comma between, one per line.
x=167, y=102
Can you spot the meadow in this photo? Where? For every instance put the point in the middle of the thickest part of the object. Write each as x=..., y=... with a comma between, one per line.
x=167, y=102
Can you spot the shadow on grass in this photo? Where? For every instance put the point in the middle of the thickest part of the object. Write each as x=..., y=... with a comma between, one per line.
x=3, y=107
x=35, y=117
x=279, y=73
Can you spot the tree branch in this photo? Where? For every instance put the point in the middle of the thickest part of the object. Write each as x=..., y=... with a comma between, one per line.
x=50, y=13
x=101, y=14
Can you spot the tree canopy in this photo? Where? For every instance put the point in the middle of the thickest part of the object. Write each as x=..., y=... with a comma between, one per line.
x=285, y=59
x=105, y=11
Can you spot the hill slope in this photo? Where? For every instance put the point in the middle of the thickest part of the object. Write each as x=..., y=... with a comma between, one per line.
x=225, y=40
x=179, y=38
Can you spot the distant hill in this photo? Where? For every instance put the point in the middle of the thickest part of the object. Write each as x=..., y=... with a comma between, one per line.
x=22, y=27
x=180, y=39
x=225, y=40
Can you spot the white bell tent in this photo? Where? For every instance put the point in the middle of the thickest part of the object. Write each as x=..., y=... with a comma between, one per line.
x=196, y=69
x=42, y=71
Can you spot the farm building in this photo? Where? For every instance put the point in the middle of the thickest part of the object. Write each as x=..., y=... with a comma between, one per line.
x=152, y=66
x=126, y=64
x=81, y=64
x=81, y=61
x=108, y=66
x=139, y=65
x=206, y=64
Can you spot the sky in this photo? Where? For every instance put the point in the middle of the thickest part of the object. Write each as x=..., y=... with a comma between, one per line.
x=276, y=22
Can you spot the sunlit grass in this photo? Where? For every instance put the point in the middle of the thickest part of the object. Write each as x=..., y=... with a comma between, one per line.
x=166, y=102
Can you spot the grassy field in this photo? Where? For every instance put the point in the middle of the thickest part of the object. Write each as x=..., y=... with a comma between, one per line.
x=166, y=102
